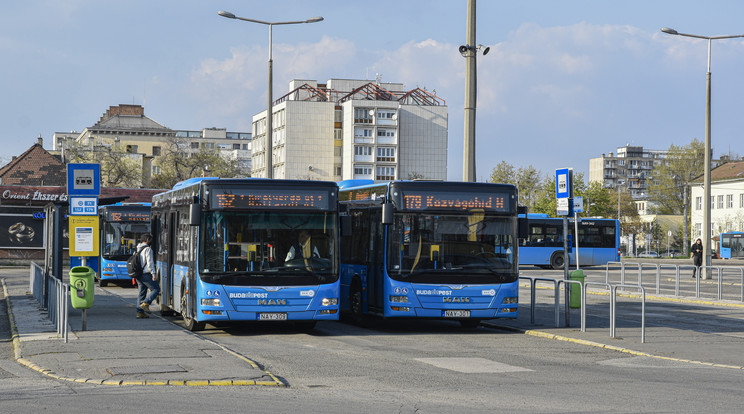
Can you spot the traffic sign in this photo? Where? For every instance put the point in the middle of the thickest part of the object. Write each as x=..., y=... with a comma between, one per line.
x=564, y=183
x=83, y=236
x=84, y=179
x=83, y=206
x=562, y=206
x=578, y=204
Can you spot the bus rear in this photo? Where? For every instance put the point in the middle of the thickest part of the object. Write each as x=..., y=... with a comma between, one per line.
x=731, y=245
x=121, y=227
x=432, y=250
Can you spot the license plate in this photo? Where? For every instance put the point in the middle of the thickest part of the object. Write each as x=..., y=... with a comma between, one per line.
x=456, y=314
x=276, y=316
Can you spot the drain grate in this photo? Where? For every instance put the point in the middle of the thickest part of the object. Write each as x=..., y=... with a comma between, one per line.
x=145, y=369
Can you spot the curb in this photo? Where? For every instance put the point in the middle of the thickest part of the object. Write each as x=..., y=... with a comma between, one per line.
x=548, y=335
x=18, y=357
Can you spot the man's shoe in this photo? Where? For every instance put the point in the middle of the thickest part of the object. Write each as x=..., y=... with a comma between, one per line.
x=145, y=307
x=142, y=315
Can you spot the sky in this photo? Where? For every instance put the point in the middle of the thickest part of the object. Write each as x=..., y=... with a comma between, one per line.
x=564, y=81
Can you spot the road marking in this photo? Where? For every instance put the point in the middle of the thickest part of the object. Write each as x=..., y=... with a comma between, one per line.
x=472, y=365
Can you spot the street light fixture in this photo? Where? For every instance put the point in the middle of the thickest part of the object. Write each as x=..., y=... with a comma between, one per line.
x=706, y=172
x=269, y=128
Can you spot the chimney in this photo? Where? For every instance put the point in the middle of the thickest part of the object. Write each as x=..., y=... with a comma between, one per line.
x=40, y=141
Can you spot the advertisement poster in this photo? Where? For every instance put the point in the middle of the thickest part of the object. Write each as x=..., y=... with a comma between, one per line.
x=21, y=231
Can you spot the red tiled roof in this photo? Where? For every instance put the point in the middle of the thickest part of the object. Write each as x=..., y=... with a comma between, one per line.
x=35, y=167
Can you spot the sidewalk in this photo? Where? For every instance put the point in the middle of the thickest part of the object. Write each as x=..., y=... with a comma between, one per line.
x=117, y=348
x=685, y=330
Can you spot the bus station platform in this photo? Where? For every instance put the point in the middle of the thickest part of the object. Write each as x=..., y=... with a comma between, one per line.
x=118, y=349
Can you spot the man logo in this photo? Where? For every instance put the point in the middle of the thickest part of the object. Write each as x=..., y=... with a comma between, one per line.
x=272, y=302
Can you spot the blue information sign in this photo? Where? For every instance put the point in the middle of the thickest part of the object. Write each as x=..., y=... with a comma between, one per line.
x=84, y=179
x=564, y=183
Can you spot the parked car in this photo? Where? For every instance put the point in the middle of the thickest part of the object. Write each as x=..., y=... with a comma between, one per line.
x=673, y=252
x=648, y=253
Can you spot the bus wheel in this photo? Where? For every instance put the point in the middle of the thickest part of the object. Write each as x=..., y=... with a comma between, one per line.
x=102, y=283
x=556, y=261
x=355, y=300
x=470, y=323
x=189, y=322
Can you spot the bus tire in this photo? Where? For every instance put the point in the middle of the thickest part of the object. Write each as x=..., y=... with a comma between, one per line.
x=188, y=322
x=102, y=283
x=556, y=261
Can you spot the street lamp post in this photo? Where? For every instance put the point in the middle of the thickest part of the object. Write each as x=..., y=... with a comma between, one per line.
x=706, y=172
x=269, y=105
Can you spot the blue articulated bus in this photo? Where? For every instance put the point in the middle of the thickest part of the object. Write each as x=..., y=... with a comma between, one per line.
x=248, y=250
x=731, y=245
x=426, y=249
x=120, y=226
x=542, y=241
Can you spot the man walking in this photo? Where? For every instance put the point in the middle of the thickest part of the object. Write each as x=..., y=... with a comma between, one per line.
x=148, y=280
x=696, y=253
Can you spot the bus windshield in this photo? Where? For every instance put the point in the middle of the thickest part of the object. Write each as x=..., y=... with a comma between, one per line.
x=268, y=248
x=120, y=238
x=463, y=248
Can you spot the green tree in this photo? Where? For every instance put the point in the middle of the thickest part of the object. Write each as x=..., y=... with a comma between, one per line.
x=527, y=180
x=671, y=178
x=118, y=167
x=177, y=163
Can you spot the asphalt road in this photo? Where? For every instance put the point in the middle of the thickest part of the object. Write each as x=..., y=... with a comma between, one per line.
x=406, y=366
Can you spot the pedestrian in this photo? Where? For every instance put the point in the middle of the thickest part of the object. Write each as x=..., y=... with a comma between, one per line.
x=148, y=280
x=696, y=253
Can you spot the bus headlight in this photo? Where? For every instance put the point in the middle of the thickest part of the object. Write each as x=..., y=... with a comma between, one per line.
x=211, y=302
x=399, y=299
x=329, y=302
x=509, y=300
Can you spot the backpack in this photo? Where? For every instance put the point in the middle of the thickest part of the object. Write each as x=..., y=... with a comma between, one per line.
x=134, y=265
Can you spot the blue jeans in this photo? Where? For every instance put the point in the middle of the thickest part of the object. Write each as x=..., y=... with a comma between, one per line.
x=145, y=283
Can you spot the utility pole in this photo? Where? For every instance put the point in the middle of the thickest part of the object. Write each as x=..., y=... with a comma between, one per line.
x=468, y=164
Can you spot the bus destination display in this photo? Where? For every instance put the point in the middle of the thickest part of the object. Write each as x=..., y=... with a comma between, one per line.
x=414, y=200
x=265, y=198
x=123, y=215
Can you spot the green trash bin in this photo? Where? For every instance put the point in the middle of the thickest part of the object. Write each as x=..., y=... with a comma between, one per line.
x=81, y=287
x=575, y=297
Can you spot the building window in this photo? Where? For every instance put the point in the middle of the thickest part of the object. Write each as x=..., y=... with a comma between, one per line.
x=362, y=150
x=720, y=201
x=741, y=200
x=729, y=201
x=698, y=203
x=194, y=145
x=386, y=154
x=385, y=173
x=698, y=229
x=362, y=132
x=362, y=116
x=156, y=151
x=363, y=170
x=337, y=151
x=712, y=201
x=236, y=146
x=338, y=170
x=338, y=134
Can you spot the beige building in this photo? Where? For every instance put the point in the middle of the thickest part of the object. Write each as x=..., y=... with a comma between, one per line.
x=347, y=129
x=630, y=169
x=146, y=139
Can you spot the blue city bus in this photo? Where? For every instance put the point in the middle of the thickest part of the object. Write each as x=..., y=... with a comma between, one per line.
x=542, y=244
x=731, y=245
x=120, y=228
x=427, y=249
x=224, y=251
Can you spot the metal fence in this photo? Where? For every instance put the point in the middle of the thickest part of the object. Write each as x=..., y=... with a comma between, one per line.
x=57, y=298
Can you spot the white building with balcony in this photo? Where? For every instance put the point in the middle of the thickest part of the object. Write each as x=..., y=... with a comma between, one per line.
x=347, y=129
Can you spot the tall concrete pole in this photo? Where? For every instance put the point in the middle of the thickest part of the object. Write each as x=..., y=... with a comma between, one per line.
x=269, y=110
x=468, y=164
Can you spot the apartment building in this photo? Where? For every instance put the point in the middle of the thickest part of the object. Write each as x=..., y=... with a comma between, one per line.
x=629, y=169
x=347, y=129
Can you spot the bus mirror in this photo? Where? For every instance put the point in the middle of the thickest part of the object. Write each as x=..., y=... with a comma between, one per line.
x=523, y=226
x=387, y=213
x=345, y=226
x=195, y=214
